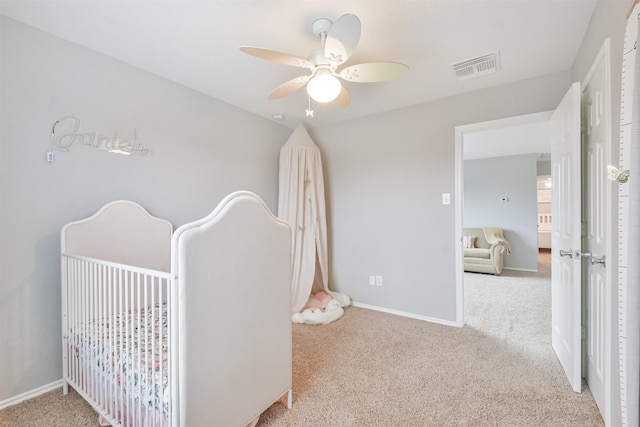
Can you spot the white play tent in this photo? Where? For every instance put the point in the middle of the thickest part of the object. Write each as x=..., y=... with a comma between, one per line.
x=301, y=203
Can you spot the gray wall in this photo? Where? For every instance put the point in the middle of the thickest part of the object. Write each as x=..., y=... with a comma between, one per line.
x=486, y=181
x=200, y=150
x=385, y=175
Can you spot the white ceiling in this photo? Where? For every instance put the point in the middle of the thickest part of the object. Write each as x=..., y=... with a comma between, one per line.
x=195, y=43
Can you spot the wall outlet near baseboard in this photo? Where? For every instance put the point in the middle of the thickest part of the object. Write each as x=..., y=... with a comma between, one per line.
x=372, y=280
x=378, y=280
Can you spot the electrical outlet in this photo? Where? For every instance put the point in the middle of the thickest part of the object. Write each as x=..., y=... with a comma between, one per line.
x=372, y=280
x=378, y=280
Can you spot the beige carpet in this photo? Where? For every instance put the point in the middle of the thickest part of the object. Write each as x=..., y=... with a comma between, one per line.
x=376, y=369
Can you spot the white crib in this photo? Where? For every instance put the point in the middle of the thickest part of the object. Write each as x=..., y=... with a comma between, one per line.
x=544, y=230
x=178, y=329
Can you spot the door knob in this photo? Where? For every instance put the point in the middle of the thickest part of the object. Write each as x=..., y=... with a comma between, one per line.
x=569, y=253
x=594, y=259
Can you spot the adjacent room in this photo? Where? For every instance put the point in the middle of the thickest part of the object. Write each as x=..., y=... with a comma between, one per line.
x=183, y=145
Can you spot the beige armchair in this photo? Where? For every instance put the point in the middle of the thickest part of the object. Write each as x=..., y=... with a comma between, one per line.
x=484, y=250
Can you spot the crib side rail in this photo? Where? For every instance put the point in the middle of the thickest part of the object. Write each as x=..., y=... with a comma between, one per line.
x=115, y=339
x=544, y=222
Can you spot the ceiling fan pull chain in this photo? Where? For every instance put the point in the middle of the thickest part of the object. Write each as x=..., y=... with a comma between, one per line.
x=309, y=111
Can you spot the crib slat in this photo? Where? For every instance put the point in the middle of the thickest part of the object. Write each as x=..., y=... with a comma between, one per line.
x=111, y=346
x=139, y=346
x=63, y=300
x=91, y=303
x=155, y=354
x=75, y=320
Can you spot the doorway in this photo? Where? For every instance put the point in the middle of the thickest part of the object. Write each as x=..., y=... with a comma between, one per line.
x=595, y=96
x=472, y=142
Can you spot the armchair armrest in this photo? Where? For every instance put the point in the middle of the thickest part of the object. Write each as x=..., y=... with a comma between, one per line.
x=498, y=251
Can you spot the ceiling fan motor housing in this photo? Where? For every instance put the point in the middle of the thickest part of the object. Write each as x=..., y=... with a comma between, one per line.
x=317, y=57
x=321, y=26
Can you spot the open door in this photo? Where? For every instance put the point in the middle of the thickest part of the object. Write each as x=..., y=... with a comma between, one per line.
x=566, y=276
x=596, y=236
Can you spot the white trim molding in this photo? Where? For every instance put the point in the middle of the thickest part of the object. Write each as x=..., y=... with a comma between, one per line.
x=31, y=394
x=404, y=314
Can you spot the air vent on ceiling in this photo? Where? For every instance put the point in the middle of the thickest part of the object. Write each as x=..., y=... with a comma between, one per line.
x=479, y=66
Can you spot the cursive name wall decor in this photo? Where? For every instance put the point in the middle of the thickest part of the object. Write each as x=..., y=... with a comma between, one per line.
x=66, y=132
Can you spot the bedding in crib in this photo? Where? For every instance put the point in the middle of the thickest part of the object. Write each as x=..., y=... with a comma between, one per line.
x=130, y=352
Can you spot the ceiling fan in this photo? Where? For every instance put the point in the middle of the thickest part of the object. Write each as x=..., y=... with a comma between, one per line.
x=338, y=41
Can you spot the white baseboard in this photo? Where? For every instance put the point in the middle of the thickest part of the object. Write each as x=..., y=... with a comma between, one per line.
x=30, y=394
x=528, y=270
x=405, y=314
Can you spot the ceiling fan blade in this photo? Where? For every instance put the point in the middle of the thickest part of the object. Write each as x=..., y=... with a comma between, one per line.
x=343, y=99
x=272, y=55
x=373, y=72
x=288, y=87
x=342, y=39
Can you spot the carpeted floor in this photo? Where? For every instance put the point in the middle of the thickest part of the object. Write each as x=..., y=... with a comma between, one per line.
x=376, y=369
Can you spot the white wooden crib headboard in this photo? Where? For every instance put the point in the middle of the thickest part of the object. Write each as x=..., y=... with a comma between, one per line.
x=233, y=271
x=122, y=232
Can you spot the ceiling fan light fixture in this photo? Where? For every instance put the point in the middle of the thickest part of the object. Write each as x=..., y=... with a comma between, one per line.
x=324, y=88
x=338, y=41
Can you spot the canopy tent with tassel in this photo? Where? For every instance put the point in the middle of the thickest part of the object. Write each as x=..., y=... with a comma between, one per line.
x=301, y=203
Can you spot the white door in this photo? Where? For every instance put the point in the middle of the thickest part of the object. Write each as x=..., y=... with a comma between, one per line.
x=566, y=236
x=595, y=240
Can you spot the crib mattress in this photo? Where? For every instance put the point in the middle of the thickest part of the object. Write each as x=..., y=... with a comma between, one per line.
x=130, y=352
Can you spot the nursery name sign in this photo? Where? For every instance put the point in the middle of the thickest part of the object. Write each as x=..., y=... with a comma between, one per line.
x=66, y=132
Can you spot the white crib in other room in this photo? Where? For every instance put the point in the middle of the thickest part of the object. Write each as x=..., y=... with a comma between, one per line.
x=544, y=230
x=178, y=329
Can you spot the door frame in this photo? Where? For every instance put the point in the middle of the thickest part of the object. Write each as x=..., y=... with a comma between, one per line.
x=460, y=132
